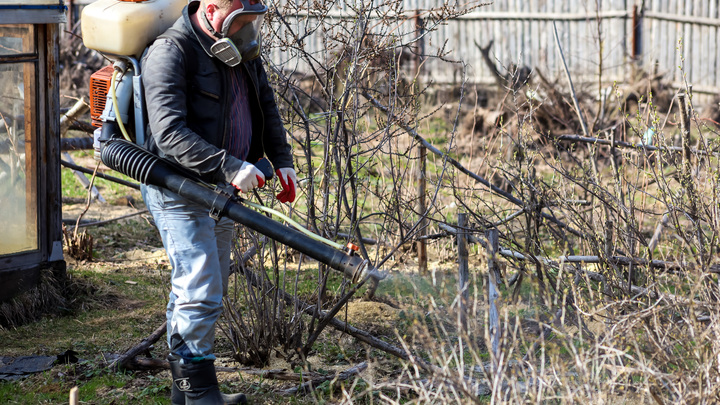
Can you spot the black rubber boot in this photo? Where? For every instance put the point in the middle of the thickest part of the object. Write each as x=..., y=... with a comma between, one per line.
x=196, y=384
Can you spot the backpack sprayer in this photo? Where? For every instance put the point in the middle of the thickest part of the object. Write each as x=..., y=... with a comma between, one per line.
x=121, y=29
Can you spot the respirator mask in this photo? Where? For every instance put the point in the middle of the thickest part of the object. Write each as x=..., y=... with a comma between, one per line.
x=243, y=44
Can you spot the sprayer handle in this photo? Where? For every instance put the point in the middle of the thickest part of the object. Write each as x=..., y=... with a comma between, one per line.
x=266, y=168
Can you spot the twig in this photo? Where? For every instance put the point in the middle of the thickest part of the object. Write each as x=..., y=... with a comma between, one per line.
x=470, y=237
x=313, y=384
x=124, y=360
x=96, y=223
x=325, y=319
x=619, y=260
x=658, y=231
x=365, y=240
x=282, y=374
x=687, y=179
x=147, y=363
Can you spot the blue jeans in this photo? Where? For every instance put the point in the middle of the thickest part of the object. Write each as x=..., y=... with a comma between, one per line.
x=199, y=251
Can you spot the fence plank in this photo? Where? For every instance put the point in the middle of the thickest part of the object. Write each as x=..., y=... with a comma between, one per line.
x=716, y=71
x=712, y=50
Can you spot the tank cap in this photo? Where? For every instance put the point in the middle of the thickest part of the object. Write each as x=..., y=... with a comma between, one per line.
x=353, y=247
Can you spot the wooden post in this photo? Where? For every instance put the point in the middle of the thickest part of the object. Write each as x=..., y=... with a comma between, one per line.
x=422, y=150
x=636, y=34
x=609, y=231
x=609, y=250
x=422, y=208
x=493, y=246
x=74, y=398
x=658, y=231
x=420, y=43
x=464, y=271
x=632, y=274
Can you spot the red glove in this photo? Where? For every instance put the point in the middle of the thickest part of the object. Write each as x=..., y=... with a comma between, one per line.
x=287, y=179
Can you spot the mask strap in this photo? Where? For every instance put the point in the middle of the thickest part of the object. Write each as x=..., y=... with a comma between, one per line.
x=229, y=20
x=206, y=22
x=258, y=10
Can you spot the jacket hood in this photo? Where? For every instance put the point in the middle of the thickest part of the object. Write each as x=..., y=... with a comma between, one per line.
x=205, y=41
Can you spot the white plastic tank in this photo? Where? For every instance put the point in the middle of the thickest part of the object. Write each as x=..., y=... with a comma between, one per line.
x=127, y=27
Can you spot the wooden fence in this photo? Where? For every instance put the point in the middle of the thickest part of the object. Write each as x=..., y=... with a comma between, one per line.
x=598, y=35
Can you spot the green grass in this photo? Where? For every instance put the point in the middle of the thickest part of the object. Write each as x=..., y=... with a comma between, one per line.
x=110, y=190
x=96, y=387
x=71, y=187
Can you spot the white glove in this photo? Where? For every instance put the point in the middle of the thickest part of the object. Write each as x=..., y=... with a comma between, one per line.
x=248, y=177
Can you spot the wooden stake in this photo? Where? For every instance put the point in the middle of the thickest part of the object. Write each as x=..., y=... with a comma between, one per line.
x=609, y=249
x=463, y=268
x=493, y=247
x=422, y=207
x=74, y=400
x=658, y=231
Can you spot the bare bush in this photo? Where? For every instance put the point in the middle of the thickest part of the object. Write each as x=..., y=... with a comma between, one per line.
x=608, y=232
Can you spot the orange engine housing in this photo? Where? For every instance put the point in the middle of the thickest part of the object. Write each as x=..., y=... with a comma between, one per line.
x=99, y=87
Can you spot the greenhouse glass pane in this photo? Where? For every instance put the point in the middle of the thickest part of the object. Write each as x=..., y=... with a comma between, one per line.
x=18, y=174
x=17, y=39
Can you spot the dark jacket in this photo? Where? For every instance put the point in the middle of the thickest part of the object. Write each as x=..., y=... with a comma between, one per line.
x=188, y=103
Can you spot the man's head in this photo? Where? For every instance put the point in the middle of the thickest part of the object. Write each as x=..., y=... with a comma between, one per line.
x=235, y=25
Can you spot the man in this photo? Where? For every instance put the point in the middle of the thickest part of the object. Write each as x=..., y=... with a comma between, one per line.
x=212, y=111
